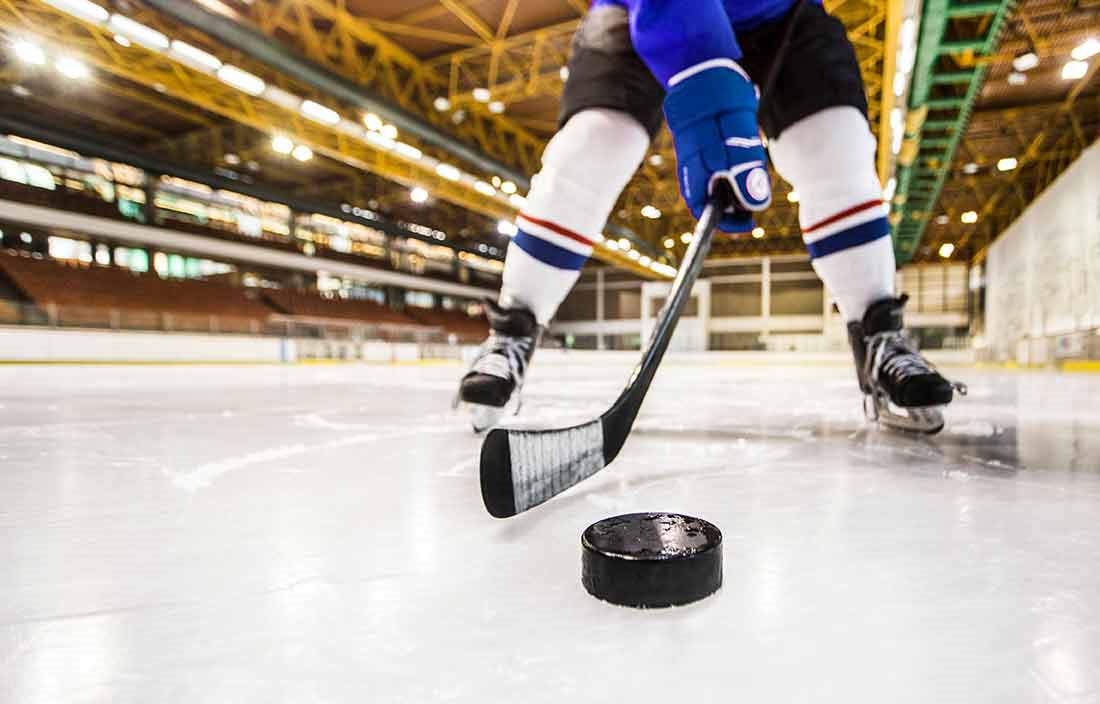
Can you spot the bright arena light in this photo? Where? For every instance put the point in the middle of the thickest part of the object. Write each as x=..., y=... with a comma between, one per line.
x=319, y=113
x=758, y=232
x=1026, y=61
x=408, y=151
x=686, y=238
x=508, y=187
x=651, y=212
x=29, y=52
x=418, y=195
x=1086, y=49
x=302, y=153
x=194, y=55
x=1074, y=70
x=792, y=197
x=146, y=36
x=71, y=68
x=496, y=107
x=372, y=121
x=388, y=131
x=624, y=244
x=241, y=80
x=505, y=227
x=84, y=9
x=482, y=95
x=946, y=250
x=448, y=172
x=441, y=104
x=484, y=188
x=517, y=201
x=1007, y=164
x=282, y=145
x=969, y=217
x=669, y=243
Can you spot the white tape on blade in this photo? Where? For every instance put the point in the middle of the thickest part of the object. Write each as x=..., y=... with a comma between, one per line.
x=546, y=464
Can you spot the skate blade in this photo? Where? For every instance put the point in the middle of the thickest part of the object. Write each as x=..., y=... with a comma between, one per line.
x=923, y=420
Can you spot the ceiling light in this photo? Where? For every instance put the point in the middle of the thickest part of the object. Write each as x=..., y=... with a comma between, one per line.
x=686, y=238
x=146, y=36
x=612, y=245
x=650, y=212
x=282, y=145
x=71, y=68
x=84, y=9
x=496, y=181
x=517, y=200
x=1074, y=70
x=451, y=173
x=563, y=73
x=232, y=159
x=388, y=131
x=970, y=168
x=624, y=243
x=241, y=80
x=505, y=227
x=496, y=107
x=482, y=95
x=758, y=232
x=890, y=190
x=21, y=91
x=645, y=261
x=969, y=217
x=121, y=40
x=372, y=121
x=942, y=219
x=1026, y=61
x=656, y=160
x=302, y=153
x=669, y=243
x=508, y=187
x=29, y=52
x=319, y=113
x=633, y=254
x=408, y=151
x=441, y=104
x=946, y=250
x=484, y=188
x=1007, y=164
x=1016, y=78
x=195, y=55
x=1086, y=49
x=418, y=195
x=901, y=82
x=792, y=197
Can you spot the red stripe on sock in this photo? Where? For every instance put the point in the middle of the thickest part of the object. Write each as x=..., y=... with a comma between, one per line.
x=843, y=214
x=553, y=227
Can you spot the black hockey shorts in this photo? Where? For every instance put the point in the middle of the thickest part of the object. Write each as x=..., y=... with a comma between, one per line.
x=819, y=70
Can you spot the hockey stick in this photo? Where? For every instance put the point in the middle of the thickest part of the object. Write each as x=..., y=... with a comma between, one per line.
x=523, y=468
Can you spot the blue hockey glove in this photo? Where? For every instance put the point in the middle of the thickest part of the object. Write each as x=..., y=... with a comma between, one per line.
x=712, y=115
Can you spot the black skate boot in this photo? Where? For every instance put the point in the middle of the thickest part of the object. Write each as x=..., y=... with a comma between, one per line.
x=903, y=391
x=495, y=379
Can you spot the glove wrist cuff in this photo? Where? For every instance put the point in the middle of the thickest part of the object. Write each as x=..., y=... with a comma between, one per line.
x=706, y=90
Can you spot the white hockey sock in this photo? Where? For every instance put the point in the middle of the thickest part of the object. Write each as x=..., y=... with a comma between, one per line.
x=584, y=168
x=829, y=158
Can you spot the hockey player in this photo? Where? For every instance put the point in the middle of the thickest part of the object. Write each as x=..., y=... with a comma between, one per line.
x=703, y=61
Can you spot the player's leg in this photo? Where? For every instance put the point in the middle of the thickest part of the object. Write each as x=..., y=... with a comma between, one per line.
x=821, y=144
x=611, y=107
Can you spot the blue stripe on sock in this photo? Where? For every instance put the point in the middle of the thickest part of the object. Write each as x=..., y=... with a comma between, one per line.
x=852, y=237
x=549, y=253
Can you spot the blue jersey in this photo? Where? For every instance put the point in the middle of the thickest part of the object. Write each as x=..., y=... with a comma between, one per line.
x=672, y=35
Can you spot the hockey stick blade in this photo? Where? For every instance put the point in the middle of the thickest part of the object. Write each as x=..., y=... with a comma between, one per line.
x=521, y=469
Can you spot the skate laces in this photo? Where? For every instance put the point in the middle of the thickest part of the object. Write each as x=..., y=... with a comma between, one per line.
x=895, y=357
x=503, y=356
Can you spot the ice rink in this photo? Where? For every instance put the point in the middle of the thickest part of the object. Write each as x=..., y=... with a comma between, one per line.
x=316, y=534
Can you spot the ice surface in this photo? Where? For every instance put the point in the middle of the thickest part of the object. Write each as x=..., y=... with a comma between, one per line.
x=316, y=534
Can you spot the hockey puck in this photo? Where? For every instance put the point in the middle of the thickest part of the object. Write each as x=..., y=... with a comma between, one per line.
x=651, y=560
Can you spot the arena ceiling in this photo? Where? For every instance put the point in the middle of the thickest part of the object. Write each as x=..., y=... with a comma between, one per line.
x=473, y=85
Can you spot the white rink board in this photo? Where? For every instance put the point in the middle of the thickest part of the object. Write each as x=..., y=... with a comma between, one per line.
x=1043, y=273
x=286, y=533
x=28, y=344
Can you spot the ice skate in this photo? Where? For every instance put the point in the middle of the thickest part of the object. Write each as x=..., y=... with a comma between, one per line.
x=902, y=390
x=493, y=386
